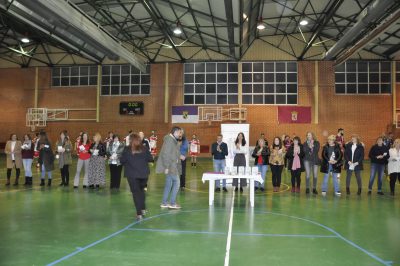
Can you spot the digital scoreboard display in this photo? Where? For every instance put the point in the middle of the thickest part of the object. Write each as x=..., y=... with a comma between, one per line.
x=131, y=108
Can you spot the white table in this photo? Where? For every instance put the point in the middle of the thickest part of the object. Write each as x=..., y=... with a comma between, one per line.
x=211, y=177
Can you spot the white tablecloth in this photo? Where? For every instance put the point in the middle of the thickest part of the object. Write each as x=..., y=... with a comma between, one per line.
x=211, y=177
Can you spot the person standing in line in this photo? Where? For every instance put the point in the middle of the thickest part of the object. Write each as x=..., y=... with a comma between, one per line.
x=169, y=164
x=277, y=161
x=153, y=143
x=77, y=141
x=311, y=161
x=239, y=159
x=194, y=149
x=219, y=150
x=145, y=141
x=27, y=151
x=136, y=159
x=126, y=139
x=97, y=166
x=354, y=156
x=287, y=142
x=46, y=158
x=341, y=142
x=184, y=146
x=261, y=154
x=114, y=153
x=295, y=156
x=83, y=148
x=14, y=158
x=36, y=152
x=394, y=165
x=64, y=150
x=331, y=164
x=379, y=155
x=262, y=136
x=109, y=139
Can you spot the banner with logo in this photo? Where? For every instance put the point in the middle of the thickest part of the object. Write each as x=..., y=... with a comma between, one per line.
x=185, y=114
x=294, y=115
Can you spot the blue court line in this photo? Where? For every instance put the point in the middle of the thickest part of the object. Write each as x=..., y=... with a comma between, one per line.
x=223, y=233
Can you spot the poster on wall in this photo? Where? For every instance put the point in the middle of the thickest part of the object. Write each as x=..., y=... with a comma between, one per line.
x=229, y=133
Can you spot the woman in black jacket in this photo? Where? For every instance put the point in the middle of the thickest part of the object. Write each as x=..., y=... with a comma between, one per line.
x=379, y=155
x=354, y=156
x=331, y=163
x=295, y=157
x=261, y=154
x=135, y=160
x=46, y=158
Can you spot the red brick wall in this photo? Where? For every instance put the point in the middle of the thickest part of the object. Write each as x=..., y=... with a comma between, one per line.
x=367, y=116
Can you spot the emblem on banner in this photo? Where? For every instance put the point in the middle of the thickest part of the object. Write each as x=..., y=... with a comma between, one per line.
x=294, y=116
x=185, y=114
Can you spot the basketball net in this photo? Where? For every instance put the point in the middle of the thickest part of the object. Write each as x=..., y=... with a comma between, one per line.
x=209, y=121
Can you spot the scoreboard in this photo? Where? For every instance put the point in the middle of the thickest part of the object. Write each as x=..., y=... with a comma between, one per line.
x=131, y=108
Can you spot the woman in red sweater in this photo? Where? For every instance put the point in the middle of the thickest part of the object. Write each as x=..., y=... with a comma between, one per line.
x=83, y=147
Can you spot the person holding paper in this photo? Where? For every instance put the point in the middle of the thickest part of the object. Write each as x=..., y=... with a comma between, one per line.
x=394, y=165
x=239, y=159
x=194, y=149
x=354, y=156
x=379, y=155
x=97, y=166
x=14, y=158
x=27, y=151
x=277, y=161
x=46, y=158
x=219, y=150
x=83, y=146
x=64, y=149
x=295, y=157
x=261, y=154
x=114, y=153
x=331, y=164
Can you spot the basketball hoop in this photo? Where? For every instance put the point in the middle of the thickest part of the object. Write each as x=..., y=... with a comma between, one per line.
x=209, y=120
x=33, y=128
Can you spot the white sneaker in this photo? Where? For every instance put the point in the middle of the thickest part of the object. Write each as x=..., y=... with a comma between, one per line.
x=175, y=206
x=164, y=205
x=338, y=193
x=323, y=193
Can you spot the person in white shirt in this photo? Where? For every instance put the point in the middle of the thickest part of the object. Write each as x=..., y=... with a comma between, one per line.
x=14, y=158
x=239, y=159
x=394, y=165
x=354, y=156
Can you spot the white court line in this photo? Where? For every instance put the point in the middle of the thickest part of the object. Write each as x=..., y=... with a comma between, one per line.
x=228, y=241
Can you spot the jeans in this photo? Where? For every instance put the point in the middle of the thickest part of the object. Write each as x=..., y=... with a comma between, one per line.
x=358, y=177
x=137, y=186
x=43, y=175
x=334, y=179
x=183, y=175
x=376, y=168
x=27, y=167
x=172, y=183
x=296, y=177
x=311, y=168
x=393, y=179
x=219, y=167
x=263, y=170
x=85, y=164
x=276, y=175
x=65, y=174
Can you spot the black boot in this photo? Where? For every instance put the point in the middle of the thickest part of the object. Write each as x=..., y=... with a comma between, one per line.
x=314, y=191
x=30, y=181
x=359, y=191
x=16, y=181
x=26, y=181
x=49, y=183
x=348, y=191
x=41, y=182
x=8, y=181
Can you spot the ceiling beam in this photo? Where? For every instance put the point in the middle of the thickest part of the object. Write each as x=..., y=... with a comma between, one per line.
x=231, y=32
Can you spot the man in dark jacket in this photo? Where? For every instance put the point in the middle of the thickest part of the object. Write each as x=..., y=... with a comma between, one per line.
x=219, y=150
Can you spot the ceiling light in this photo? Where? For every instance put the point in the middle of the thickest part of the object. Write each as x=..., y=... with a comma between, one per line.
x=178, y=29
x=303, y=22
x=244, y=16
x=25, y=40
x=260, y=24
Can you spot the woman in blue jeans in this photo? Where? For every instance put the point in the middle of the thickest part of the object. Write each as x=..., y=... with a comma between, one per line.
x=379, y=155
x=261, y=154
x=331, y=164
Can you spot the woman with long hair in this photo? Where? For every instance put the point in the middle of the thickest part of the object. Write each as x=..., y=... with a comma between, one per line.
x=295, y=156
x=97, y=167
x=64, y=149
x=27, y=151
x=261, y=155
x=14, y=158
x=135, y=159
x=379, y=155
x=82, y=146
x=239, y=159
x=114, y=153
x=46, y=158
x=311, y=161
x=394, y=165
x=354, y=156
x=331, y=164
x=277, y=161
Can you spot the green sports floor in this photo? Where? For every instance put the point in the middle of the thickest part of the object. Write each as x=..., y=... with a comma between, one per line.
x=63, y=226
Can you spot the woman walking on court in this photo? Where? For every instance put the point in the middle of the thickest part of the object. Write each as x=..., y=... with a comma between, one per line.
x=239, y=159
x=27, y=151
x=97, y=166
x=63, y=150
x=261, y=154
x=83, y=146
x=354, y=156
x=331, y=164
x=379, y=154
x=394, y=165
x=277, y=161
x=14, y=158
x=46, y=158
x=295, y=156
x=135, y=159
x=114, y=153
x=311, y=161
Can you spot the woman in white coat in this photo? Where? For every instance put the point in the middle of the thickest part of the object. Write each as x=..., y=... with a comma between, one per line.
x=394, y=165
